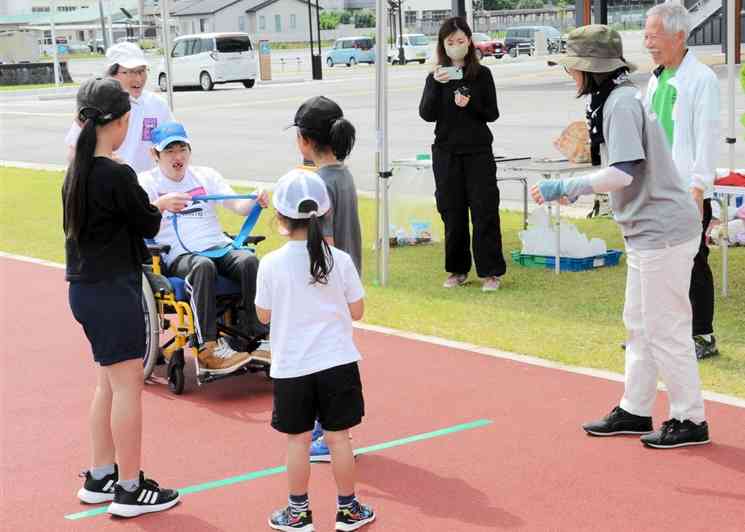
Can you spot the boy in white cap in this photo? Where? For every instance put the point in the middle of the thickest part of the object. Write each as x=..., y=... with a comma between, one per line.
x=128, y=64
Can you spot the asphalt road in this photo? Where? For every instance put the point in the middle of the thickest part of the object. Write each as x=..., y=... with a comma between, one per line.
x=240, y=131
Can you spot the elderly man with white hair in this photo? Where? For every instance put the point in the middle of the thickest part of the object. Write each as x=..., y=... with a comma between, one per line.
x=684, y=94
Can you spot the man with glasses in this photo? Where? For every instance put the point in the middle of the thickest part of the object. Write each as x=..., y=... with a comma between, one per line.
x=684, y=94
x=127, y=63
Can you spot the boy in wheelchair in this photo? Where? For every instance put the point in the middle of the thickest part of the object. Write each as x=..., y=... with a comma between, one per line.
x=170, y=186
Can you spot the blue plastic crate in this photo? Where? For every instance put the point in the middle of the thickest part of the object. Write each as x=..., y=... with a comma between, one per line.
x=568, y=264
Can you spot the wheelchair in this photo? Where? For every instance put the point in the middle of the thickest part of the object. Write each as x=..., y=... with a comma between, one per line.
x=169, y=324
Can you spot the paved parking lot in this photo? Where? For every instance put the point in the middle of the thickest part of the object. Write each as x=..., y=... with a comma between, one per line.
x=240, y=131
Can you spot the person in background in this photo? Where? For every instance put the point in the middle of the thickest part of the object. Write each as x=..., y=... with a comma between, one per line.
x=461, y=98
x=325, y=139
x=684, y=94
x=128, y=65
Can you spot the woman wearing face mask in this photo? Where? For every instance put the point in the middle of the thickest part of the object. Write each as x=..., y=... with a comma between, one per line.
x=460, y=97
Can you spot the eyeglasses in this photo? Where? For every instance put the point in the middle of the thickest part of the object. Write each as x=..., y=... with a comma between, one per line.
x=134, y=73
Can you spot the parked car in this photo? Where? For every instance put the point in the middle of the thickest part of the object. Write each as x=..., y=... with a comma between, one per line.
x=487, y=47
x=208, y=59
x=96, y=45
x=351, y=51
x=525, y=35
x=416, y=48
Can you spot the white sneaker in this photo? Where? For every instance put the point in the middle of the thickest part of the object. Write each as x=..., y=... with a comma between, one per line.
x=223, y=349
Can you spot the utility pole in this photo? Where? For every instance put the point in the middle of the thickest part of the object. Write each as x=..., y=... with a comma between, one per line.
x=55, y=55
x=104, y=34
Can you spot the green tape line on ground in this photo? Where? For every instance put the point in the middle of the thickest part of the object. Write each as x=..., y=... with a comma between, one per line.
x=278, y=470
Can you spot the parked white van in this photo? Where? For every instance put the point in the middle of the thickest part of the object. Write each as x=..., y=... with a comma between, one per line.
x=416, y=48
x=207, y=59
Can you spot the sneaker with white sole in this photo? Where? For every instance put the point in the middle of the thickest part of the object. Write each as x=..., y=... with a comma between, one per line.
x=355, y=516
x=289, y=521
x=218, y=358
x=97, y=491
x=317, y=431
x=147, y=498
x=490, y=284
x=456, y=279
x=675, y=433
x=319, y=451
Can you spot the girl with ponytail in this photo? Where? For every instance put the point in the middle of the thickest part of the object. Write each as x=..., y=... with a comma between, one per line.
x=325, y=137
x=106, y=216
x=311, y=292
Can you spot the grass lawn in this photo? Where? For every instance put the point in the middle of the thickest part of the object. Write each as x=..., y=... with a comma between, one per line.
x=574, y=318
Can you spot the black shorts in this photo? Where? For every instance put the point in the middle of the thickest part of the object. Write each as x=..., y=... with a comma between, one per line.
x=333, y=396
x=112, y=317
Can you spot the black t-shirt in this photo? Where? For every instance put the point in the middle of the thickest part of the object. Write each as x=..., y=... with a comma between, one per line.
x=461, y=129
x=119, y=217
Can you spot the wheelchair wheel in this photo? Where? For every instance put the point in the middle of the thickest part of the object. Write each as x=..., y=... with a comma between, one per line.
x=176, y=372
x=152, y=328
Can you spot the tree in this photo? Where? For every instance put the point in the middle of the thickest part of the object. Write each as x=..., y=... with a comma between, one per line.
x=330, y=20
x=496, y=5
x=530, y=4
x=364, y=19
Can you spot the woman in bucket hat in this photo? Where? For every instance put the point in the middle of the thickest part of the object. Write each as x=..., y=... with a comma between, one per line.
x=660, y=224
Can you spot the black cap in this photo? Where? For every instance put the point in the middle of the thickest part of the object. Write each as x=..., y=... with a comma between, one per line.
x=102, y=100
x=317, y=114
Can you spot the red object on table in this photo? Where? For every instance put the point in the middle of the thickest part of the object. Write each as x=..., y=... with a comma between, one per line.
x=732, y=180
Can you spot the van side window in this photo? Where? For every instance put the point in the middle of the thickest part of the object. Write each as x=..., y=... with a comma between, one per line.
x=179, y=50
x=208, y=45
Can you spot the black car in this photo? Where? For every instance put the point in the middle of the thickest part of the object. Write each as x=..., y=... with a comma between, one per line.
x=525, y=35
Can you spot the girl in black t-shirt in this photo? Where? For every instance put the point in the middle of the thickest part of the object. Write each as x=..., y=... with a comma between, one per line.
x=106, y=217
x=460, y=97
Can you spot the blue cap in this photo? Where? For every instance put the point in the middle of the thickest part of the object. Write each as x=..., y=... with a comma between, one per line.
x=168, y=133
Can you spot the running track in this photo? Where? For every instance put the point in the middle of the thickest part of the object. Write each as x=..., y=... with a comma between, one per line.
x=530, y=468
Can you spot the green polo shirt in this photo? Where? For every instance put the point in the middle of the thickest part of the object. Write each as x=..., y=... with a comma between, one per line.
x=663, y=102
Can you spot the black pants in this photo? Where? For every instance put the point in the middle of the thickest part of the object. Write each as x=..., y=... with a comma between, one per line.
x=463, y=182
x=701, y=292
x=200, y=274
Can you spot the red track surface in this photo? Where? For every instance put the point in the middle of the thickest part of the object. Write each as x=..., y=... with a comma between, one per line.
x=532, y=469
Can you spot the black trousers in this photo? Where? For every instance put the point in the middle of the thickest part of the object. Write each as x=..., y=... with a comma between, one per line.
x=200, y=274
x=701, y=292
x=468, y=182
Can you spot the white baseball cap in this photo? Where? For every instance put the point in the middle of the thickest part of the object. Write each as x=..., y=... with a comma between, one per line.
x=296, y=187
x=127, y=55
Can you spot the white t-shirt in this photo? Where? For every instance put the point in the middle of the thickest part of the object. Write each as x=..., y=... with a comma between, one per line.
x=148, y=112
x=311, y=323
x=199, y=230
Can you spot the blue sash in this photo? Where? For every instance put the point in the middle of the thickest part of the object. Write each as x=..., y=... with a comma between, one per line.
x=239, y=240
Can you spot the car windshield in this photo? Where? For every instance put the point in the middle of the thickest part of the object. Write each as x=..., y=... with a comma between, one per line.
x=480, y=37
x=235, y=43
x=418, y=40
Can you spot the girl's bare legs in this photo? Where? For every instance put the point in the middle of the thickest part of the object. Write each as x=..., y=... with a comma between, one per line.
x=298, y=465
x=342, y=460
x=100, y=422
x=126, y=381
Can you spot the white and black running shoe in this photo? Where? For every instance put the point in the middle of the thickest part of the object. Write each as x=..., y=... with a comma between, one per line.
x=98, y=491
x=148, y=498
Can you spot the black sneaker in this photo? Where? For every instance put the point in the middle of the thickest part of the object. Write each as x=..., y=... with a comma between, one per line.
x=705, y=348
x=147, y=498
x=675, y=433
x=355, y=516
x=98, y=491
x=619, y=422
x=290, y=521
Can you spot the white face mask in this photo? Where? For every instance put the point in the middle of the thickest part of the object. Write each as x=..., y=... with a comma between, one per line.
x=457, y=52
